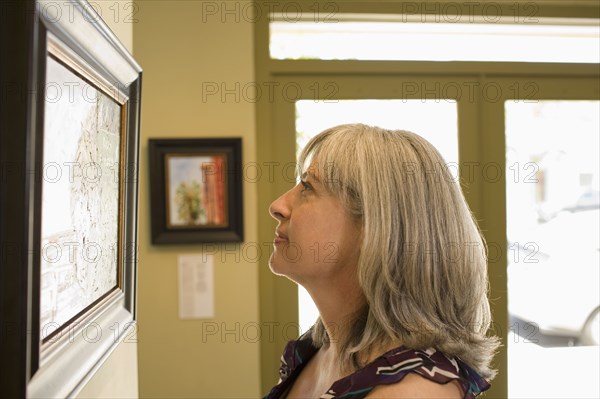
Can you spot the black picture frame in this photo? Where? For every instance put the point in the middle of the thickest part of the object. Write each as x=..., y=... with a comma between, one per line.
x=68, y=33
x=210, y=171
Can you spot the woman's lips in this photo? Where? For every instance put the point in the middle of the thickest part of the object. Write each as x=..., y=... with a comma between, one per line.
x=280, y=238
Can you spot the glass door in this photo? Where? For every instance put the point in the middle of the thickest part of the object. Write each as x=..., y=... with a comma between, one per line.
x=442, y=109
x=552, y=209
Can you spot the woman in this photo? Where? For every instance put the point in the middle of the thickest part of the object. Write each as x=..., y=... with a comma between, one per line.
x=383, y=241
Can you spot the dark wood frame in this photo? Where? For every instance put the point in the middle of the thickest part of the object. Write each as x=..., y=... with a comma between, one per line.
x=159, y=149
x=27, y=368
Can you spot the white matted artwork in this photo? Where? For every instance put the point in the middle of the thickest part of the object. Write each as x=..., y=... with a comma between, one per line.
x=80, y=196
x=78, y=222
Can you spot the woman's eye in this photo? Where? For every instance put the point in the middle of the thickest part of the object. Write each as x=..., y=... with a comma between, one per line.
x=305, y=186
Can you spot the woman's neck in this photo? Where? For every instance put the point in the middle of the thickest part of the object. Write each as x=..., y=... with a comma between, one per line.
x=338, y=304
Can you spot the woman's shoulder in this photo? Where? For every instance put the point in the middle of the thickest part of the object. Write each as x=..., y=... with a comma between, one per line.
x=402, y=372
x=415, y=386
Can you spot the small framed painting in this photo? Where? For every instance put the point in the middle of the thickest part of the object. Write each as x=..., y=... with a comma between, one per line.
x=196, y=190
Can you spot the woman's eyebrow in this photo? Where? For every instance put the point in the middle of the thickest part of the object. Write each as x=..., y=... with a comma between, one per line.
x=309, y=174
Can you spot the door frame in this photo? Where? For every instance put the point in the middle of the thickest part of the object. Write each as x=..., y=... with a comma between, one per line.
x=481, y=142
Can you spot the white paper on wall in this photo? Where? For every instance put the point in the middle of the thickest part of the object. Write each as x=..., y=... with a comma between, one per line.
x=196, y=286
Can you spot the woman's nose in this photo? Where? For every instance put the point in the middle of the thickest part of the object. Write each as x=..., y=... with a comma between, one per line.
x=280, y=208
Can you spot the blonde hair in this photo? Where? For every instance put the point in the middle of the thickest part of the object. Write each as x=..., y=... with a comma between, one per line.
x=422, y=264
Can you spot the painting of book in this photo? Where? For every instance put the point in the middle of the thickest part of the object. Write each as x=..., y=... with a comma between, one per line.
x=196, y=190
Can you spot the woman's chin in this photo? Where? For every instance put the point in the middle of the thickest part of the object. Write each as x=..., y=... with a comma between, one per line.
x=275, y=265
x=281, y=268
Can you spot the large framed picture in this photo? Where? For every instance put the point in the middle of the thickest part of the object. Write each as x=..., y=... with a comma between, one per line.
x=196, y=190
x=79, y=217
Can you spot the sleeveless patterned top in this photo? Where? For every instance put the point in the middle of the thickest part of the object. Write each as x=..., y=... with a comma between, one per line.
x=389, y=368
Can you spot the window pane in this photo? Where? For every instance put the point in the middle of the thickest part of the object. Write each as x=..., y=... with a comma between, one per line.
x=552, y=186
x=435, y=120
x=423, y=41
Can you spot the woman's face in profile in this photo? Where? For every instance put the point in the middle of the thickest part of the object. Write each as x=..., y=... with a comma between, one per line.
x=316, y=239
